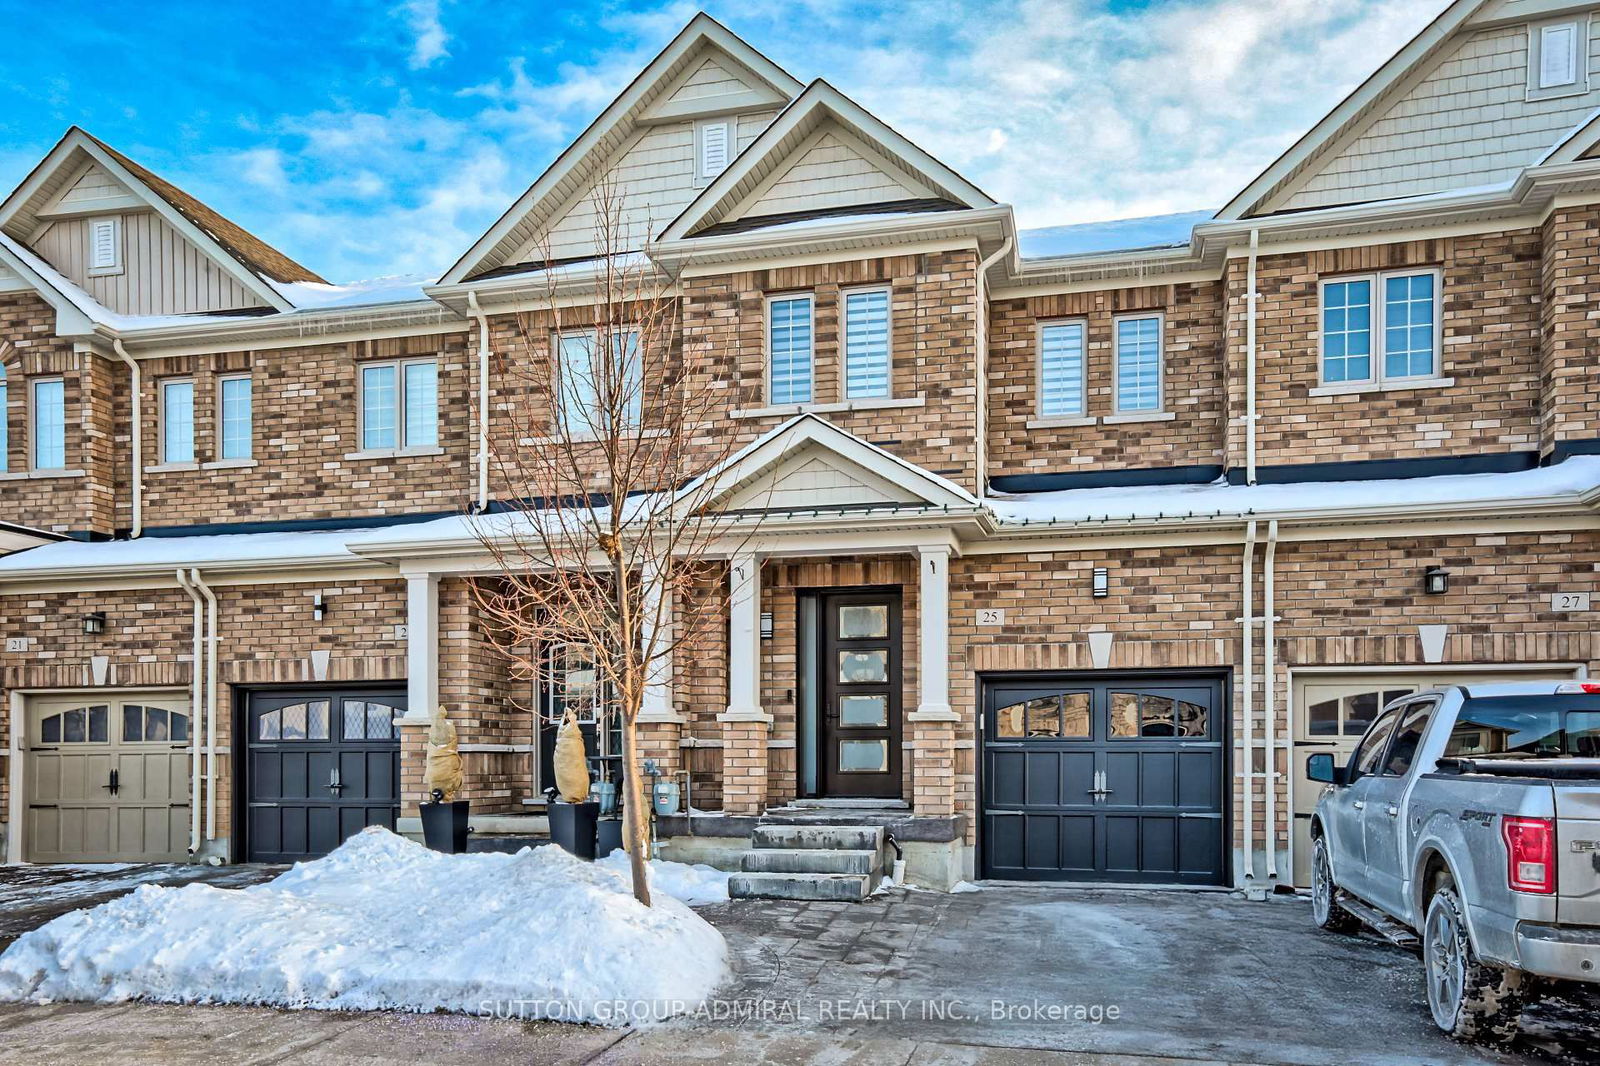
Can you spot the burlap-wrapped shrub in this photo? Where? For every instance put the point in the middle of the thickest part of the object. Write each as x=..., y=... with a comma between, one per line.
x=572, y=763
x=442, y=772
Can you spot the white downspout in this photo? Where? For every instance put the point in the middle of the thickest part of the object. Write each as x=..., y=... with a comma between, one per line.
x=1269, y=738
x=1247, y=728
x=1250, y=298
x=483, y=399
x=194, y=717
x=137, y=424
x=981, y=415
x=211, y=703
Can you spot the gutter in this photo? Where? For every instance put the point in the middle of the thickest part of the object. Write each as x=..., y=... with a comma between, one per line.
x=1269, y=682
x=483, y=397
x=211, y=708
x=137, y=432
x=982, y=413
x=1247, y=738
x=194, y=714
x=1250, y=298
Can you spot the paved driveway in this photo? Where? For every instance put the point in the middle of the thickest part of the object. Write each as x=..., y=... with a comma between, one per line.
x=1038, y=976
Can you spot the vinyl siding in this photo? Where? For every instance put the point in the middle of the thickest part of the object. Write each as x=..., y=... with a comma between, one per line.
x=831, y=172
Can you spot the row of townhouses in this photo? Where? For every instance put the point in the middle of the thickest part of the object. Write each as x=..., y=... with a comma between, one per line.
x=1077, y=539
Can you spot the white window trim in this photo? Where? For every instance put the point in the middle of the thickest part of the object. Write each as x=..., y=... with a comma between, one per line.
x=167, y=462
x=238, y=460
x=33, y=426
x=731, y=125
x=844, y=343
x=1141, y=414
x=1082, y=418
x=1580, y=33
x=117, y=267
x=766, y=347
x=1378, y=380
x=402, y=432
x=556, y=337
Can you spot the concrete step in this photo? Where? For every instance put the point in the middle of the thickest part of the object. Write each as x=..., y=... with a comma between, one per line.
x=800, y=886
x=811, y=861
x=812, y=837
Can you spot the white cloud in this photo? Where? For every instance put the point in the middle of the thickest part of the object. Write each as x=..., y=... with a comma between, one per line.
x=430, y=37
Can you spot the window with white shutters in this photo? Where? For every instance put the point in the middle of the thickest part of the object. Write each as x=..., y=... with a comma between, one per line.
x=105, y=245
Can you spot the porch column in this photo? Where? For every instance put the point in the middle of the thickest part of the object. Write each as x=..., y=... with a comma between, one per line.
x=745, y=725
x=659, y=723
x=933, y=723
x=422, y=645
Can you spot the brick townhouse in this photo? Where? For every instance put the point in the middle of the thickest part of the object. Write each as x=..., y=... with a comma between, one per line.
x=1078, y=539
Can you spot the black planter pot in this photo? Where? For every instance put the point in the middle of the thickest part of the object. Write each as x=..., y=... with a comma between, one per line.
x=444, y=826
x=608, y=837
x=572, y=826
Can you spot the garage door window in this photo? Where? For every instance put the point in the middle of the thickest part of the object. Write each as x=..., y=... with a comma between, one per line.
x=1146, y=714
x=298, y=721
x=80, y=725
x=1349, y=716
x=142, y=723
x=366, y=720
x=1054, y=717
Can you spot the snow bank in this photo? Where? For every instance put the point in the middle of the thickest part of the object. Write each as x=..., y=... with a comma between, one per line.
x=382, y=923
x=694, y=884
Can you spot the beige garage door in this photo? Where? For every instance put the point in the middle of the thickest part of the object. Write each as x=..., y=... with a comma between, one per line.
x=107, y=779
x=1331, y=712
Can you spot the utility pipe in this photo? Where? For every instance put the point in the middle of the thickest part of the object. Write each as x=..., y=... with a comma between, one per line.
x=137, y=414
x=1269, y=738
x=211, y=703
x=194, y=716
x=1247, y=740
x=1250, y=297
x=982, y=413
x=483, y=398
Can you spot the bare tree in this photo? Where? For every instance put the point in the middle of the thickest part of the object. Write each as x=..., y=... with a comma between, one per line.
x=610, y=529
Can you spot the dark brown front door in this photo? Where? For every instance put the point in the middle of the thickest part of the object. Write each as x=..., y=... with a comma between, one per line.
x=859, y=682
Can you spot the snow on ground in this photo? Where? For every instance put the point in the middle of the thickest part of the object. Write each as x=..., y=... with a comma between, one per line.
x=694, y=884
x=383, y=923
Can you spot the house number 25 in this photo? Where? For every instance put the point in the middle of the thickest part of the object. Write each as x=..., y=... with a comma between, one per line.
x=991, y=616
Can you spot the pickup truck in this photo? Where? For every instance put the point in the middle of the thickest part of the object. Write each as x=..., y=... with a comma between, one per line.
x=1470, y=815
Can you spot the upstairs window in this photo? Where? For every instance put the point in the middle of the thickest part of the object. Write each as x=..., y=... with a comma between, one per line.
x=1380, y=328
x=399, y=405
x=582, y=368
x=713, y=148
x=177, y=421
x=105, y=246
x=1557, y=58
x=49, y=424
x=789, y=348
x=1138, y=375
x=235, y=417
x=1061, y=379
x=866, y=344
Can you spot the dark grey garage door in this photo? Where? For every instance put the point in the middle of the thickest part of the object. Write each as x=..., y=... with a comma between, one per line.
x=1104, y=778
x=321, y=765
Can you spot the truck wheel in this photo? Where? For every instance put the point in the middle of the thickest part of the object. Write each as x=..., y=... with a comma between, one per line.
x=1468, y=999
x=1325, y=909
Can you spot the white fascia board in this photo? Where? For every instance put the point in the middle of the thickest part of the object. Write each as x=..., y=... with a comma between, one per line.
x=290, y=330
x=76, y=316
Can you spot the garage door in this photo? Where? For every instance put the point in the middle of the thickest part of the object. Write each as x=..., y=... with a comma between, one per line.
x=320, y=766
x=1104, y=778
x=1333, y=710
x=107, y=779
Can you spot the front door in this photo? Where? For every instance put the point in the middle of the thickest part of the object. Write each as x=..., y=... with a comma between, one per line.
x=321, y=766
x=858, y=681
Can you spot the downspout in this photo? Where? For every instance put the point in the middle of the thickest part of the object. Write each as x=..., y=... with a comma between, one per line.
x=1247, y=729
x=1250, y=298
x=483, y=399
x=982, y=414
x=1269, y=737
x=194, y=716
x=211, y=703
x=137, y=432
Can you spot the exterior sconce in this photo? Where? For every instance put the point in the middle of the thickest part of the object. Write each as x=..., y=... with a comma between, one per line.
x=766, y=625
x=1435, y=580
x=94, y=623
x=319, y=607
x=1102, y=583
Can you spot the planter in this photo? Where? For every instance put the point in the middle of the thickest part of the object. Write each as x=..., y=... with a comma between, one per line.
x=444, y=826
x=608, y=837
x=572, y=826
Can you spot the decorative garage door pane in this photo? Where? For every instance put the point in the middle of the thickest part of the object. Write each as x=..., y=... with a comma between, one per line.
x=1104, y=780
x=107, y=780
x=320, y=767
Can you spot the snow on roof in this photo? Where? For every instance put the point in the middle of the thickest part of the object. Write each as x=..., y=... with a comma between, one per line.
x=393, y=289
x=227, y=550
x=1124, y=234
x=1573, y=477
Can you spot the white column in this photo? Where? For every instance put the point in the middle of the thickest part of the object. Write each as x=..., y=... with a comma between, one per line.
x=744, y=640
x=933, y=605
x=422, y=645
x=658, y=634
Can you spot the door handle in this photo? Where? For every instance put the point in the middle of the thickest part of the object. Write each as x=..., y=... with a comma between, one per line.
x=111, y=783
x=1392, y=811
x=334, y=784
x=1099, y=788
x=1359, y=805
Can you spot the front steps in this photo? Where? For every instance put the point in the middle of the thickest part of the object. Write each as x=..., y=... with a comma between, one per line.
x=810, y=862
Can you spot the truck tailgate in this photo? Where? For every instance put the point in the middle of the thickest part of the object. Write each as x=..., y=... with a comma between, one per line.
x=1578, y=854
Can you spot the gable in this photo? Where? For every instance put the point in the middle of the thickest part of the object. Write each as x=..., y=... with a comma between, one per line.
x=714, y=83
x=93, y=191
x=811, y=478
x=1463, y=119
x=831, y=170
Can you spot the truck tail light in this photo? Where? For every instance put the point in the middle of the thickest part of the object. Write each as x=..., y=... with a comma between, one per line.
x=1530, y=854
x=1570, y=687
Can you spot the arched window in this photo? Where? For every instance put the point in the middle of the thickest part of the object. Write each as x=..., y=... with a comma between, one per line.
x=80, y=725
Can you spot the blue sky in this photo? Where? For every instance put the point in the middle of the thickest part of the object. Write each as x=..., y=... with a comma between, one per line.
x=369, y=138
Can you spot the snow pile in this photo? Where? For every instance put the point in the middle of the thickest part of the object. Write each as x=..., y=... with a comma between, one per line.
x=694, y=884
x=382, y=923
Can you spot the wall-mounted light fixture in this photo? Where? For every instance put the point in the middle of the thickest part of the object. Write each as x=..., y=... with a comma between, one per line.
x=1102, y=583
x=1435, y=580
x=766, y=625
x=94, y=622
x=319, y=607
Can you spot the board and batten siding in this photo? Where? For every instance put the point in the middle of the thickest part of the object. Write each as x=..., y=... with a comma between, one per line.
x=828, y=172
x=162, y=272
x=1468, y=122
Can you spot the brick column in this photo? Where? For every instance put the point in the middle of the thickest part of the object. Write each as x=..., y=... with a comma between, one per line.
x=933, y=723
x=745, y=726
